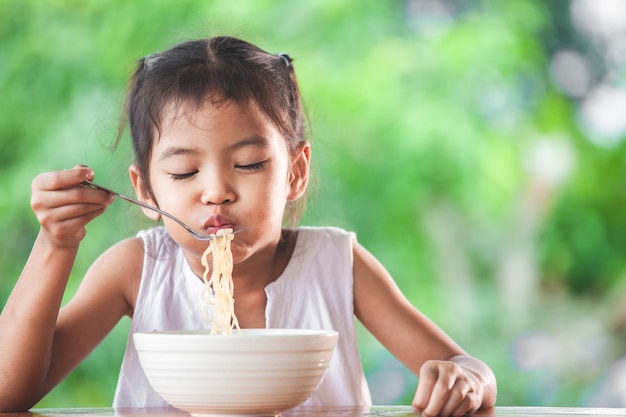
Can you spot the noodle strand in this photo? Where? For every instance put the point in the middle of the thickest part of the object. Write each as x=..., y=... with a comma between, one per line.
x=220, y=284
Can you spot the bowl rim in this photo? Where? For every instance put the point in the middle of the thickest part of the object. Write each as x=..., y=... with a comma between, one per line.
x=245, y=333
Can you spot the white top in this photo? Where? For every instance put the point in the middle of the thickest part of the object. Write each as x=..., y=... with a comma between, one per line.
x=315, y=292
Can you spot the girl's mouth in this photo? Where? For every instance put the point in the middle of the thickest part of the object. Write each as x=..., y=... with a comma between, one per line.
x=216, y=223
x=215, y=229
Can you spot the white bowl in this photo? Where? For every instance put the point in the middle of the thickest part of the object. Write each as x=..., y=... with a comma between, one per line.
x=257, y=372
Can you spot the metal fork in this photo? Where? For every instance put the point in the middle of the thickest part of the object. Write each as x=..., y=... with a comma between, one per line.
x=195, y=234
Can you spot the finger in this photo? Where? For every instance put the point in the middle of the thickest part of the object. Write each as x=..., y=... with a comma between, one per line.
x=64, y=212
x=76, y=222
x=71, y=212
x=439, y=398
x=68, y=216
x=427, y=378
x=457, y=409
x=469, y=406
x=57, y=180
x=70, y=230
x=62, y=205
x=457, y=399
x=448, y=375
x=45, y=195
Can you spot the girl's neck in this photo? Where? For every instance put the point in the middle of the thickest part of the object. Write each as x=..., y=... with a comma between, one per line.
x=265, y=266
x=256, y=273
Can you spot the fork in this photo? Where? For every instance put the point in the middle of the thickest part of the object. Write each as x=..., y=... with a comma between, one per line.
x=195, y=234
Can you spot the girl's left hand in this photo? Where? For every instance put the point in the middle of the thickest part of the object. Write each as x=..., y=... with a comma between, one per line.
x=446, y=388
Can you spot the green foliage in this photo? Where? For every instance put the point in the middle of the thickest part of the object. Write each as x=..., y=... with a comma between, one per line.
x=421, y=131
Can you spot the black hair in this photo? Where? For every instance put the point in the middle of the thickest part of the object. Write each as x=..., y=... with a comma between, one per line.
x=217, y=70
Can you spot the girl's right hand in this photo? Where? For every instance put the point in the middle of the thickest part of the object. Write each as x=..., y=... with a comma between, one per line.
x=63, y=206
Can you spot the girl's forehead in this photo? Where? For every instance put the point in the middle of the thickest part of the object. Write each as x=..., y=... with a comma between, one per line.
x=189, y=112
x=224, y=121
x=205, y=112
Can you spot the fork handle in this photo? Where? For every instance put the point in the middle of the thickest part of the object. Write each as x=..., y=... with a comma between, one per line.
x=93, y=185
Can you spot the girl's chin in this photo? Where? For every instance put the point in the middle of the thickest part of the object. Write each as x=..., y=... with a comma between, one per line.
x=191, y=247
x=194, y=254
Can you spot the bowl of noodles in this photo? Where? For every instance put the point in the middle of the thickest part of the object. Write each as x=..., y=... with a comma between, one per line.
x=227, y=370
x=249, y=372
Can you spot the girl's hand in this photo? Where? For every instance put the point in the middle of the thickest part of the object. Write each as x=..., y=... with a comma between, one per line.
x=446, y=388
x=63, y=207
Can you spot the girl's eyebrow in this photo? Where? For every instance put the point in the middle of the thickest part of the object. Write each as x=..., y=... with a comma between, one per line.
x=254, y=140
x=176, y=150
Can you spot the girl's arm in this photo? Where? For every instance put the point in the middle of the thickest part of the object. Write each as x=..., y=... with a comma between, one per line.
x=451, y=383
x=39, y=344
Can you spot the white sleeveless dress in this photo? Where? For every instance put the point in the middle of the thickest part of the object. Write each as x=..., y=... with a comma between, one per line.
x=315, y=291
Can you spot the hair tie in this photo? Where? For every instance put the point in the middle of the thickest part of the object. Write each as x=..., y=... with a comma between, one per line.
x=286, y=59
x=150, y=59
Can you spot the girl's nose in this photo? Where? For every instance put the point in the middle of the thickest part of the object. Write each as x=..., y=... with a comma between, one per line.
x=217, y=192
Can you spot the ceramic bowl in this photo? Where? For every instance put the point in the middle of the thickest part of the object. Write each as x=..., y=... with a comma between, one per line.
x=257, y=372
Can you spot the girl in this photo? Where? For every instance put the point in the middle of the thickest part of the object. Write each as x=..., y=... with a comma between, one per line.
x=218, y=133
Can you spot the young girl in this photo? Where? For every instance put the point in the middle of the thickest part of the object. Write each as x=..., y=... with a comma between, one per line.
x=218, y=133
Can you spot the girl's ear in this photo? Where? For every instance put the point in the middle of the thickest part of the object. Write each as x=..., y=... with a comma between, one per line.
x=299, y=172
x=142, y=193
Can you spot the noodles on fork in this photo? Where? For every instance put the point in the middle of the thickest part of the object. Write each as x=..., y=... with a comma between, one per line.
x=220, y=283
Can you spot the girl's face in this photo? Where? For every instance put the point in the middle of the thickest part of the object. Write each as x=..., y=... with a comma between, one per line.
x=223, y=167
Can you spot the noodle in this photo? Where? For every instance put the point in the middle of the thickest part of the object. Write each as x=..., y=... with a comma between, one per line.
x=220, y=283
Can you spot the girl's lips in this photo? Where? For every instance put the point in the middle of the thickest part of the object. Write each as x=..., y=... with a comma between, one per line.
x=215, y=229
x=215, y=223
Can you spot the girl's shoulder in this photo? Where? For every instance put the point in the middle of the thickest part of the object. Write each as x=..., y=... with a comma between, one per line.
x=119, y=269
x=122, y=263
x=148, y=249
x=157, y=240
x=322, y=233
x=324, y=243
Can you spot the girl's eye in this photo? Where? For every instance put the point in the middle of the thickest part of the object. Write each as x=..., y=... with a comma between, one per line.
x=178, y=177
x=252, y=167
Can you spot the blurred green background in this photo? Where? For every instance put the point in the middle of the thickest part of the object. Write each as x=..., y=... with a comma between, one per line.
x=475, y=147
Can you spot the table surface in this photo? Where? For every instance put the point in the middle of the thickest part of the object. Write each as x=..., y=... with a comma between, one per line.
x=376, y=411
